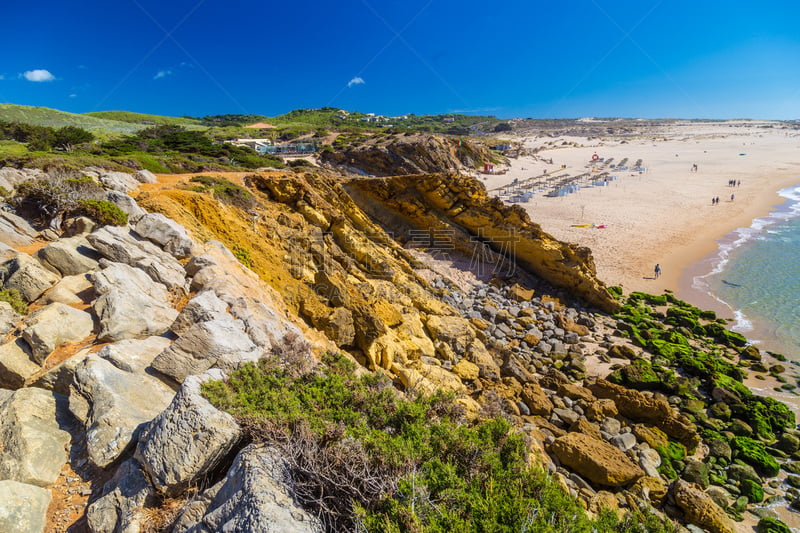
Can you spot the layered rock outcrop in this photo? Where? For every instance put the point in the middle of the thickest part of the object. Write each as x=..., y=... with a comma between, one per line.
x=459, y=209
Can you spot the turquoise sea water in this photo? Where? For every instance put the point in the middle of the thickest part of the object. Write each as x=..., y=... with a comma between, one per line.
x=756, y=274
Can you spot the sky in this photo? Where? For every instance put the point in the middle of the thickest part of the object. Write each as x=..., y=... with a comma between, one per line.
x=516, y=58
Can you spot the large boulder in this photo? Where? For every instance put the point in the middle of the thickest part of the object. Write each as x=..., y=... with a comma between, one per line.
x=643, y=408
x=202, y=308
x=69, y=257
x=254, y=496
x=130, y=303
x=145, y=176
x=536, y=400
x=118, y=244
x=59, y=378
x=596, y=460
x=34, y=445
x=53, y=325
x=119, y=181
x=113, y=404
x=8, y=318
x=134, y=355
x=126, y=204
x=165, y=232
x=699, y=508
x=188, y=439
x=16, y=364
x=71, y=290
x=26, y=275
x=451, y=335
x=23, y=507
x=123, y=497
x=216, y=342
x=14, y=230
x=260, y=308
x=10, y=177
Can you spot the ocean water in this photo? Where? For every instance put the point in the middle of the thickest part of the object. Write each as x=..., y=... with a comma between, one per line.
x=756, y=275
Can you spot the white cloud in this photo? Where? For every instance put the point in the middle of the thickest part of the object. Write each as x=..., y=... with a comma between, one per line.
x=358, y=80
x=162, y=74
x=73, y=95
x=2, y=76
x=38, y=75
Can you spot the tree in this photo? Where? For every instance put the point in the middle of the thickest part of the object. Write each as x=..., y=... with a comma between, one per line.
x=503, y=126
x=68, y=137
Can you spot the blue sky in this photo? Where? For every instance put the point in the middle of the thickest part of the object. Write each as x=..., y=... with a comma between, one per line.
x=643, y=58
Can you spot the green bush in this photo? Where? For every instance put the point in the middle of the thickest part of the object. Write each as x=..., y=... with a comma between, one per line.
x=14, y=298
x=225, y=191
x=103, y=212
x=243, y=255
x=390, y=463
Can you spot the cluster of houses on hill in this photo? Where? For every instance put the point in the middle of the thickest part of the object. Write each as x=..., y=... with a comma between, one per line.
x=266, y=147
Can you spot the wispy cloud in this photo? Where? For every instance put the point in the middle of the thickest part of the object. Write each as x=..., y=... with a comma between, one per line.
x=73, y=95
x=38, y=75
x=2, y=77
x=358, y=80
x=162, y=74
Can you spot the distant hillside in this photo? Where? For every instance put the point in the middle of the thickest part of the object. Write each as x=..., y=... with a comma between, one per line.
x=43, y=116
x=339, y=119
x=143, y=118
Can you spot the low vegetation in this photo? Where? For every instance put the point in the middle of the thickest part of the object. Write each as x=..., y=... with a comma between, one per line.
x=224, y=191
x=366, y=458
x=65, y=195
x=103, y=212
x=15, y=300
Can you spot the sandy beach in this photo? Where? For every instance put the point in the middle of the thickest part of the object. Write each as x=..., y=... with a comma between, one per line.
x=664, y=214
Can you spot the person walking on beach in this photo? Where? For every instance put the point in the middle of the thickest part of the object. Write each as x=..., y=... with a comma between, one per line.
x=731, y=197
x=717, y=199
x=657, y=270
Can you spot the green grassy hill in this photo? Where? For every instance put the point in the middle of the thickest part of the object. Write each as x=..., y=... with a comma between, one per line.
x=143, y=118
x=43, y=116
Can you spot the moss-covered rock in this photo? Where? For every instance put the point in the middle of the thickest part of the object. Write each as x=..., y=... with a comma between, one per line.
x=720, y=449
x=621, y=351
x=643, y=375
x=772, y=525
x=752, y=490
x=755, y=454
x=750, y=353
x=720, y=410
x=739, y=473
x=723, y=336
x=766, y=416
x=788, y=443
x=793, y=467
x=696, y=472
x=740, y=427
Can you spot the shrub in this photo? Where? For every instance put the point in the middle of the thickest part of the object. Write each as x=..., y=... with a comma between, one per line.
x=14, y=298
x=59, y=194
x=103, y=212
x=243, y=255
x=365, y=457
x=225, y=191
